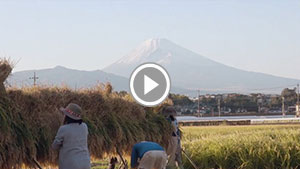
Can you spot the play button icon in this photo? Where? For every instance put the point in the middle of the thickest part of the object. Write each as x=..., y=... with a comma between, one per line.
x=149, y=84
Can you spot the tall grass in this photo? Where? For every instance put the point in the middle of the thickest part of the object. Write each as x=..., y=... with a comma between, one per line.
x=30, y=118
x=250, y=147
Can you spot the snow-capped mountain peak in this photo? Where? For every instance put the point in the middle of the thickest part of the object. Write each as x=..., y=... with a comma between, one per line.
x=146, y=52
x=191, y=70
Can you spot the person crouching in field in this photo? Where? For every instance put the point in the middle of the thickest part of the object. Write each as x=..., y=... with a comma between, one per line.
x=148, y=155
x=71, y=140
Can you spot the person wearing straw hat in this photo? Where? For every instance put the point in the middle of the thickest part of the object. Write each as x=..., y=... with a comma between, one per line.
x=71, y=140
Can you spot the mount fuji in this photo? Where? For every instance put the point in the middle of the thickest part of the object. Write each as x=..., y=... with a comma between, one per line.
x=189, y=70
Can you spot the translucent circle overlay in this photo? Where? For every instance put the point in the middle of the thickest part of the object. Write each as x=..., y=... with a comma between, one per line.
x=166, y=92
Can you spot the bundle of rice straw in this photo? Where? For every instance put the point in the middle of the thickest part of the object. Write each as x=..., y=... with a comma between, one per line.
x=5, y=70
x=29, y=120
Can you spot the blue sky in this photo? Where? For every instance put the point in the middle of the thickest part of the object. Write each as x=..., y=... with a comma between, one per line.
x=255, y=35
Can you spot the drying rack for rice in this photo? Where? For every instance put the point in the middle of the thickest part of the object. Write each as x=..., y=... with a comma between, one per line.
x=30, y=118
x=5, y=70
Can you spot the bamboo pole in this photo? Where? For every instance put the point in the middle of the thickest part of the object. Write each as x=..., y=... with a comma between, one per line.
x=37, y=163
x=122, y=159
x=193, y=164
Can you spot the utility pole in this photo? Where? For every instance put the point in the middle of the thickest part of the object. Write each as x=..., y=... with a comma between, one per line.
x=297, y=106
x=198, y=103
x=219, y=106
x=259, y=103
x=283, y=109
x=34, y=78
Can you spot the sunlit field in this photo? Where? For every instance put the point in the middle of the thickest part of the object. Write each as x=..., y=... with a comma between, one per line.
x=243, y=147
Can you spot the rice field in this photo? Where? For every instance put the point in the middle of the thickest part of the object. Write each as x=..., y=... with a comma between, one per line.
x=243, y=147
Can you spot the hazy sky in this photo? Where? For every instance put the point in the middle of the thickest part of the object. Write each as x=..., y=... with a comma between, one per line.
x=256, y=35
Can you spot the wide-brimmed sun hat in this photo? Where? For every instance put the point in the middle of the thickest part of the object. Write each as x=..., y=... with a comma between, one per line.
x=73, y=111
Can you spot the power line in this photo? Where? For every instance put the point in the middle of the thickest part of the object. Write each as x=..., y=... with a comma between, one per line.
x=252, y=89
x=279, y=87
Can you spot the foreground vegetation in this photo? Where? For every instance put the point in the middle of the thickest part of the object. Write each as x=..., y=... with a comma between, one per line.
x=243, y=147
x=30, y=118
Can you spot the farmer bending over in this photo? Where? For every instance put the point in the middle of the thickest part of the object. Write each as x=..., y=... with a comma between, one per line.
x=71, y=140
x=148, y=155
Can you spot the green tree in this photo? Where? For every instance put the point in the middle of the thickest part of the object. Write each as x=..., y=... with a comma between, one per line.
x=290, y=96
x=180, y=100
x=241, y=102
x=275, y=102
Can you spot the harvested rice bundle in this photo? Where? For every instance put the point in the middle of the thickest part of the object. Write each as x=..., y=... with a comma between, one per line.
x=112, y=121
x=16, y=146
x=5, y=70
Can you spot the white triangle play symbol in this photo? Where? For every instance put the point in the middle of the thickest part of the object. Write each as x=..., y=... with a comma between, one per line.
x=149, y=84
